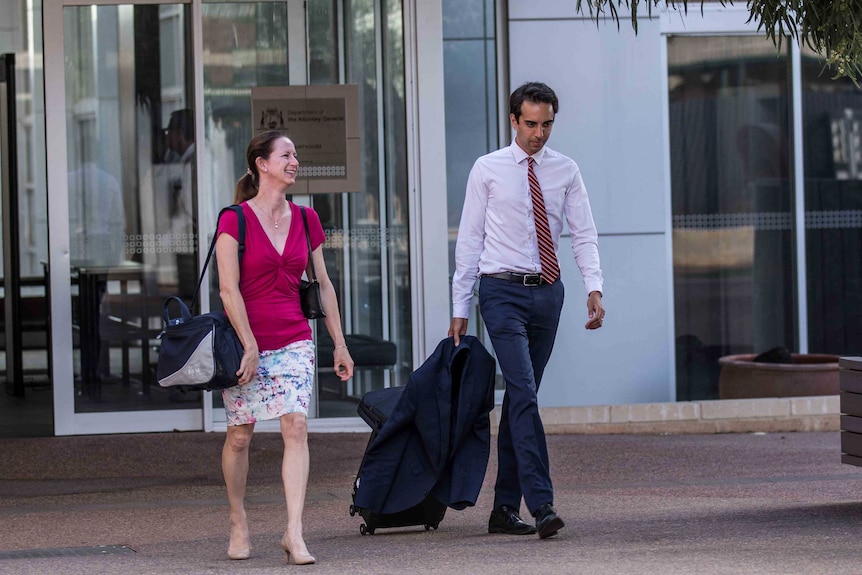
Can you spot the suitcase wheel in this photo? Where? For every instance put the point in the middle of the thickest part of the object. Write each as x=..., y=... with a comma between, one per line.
x=429, y=526
x=365, y=530
x=352, y=510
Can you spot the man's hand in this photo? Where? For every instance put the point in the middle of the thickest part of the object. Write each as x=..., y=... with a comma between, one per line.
x=596, y=310
x=457, y=328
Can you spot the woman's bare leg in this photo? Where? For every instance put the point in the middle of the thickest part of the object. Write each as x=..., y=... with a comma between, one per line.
x=294, y=473
x=234, y=464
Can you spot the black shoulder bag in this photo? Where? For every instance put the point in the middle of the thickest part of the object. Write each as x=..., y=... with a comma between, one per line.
x=200, y=352
x=309, y=291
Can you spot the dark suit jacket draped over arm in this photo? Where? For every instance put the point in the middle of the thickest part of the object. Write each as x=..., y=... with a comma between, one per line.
x=437, y=439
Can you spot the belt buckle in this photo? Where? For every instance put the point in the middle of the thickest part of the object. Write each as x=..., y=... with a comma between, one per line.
x=532, y=280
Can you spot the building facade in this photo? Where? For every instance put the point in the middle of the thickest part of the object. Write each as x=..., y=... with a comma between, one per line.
x=723, y=175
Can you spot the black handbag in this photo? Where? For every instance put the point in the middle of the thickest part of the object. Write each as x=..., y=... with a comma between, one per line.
x=200, y=352
x=309, y=291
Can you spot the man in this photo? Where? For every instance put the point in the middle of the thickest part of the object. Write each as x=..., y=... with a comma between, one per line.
x=516, y=200
x=176, y=247
x=180, y=140
x=180, y=136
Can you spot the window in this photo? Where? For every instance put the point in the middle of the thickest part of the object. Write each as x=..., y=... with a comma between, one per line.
x=832, y=132
x=732, y=204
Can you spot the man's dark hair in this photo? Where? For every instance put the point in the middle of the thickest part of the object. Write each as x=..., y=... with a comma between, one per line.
x=535, y=92
x=184, y=121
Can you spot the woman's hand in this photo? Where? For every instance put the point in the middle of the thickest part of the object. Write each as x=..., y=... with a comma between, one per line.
x=248, y=366
x=343, y=363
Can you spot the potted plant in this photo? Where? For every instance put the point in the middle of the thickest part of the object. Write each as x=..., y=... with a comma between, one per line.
x=777, y=373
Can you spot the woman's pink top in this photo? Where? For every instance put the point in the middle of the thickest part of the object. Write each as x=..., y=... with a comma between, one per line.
x=269, y=282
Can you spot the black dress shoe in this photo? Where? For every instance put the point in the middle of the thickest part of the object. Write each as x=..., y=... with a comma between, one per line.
x=547, y=521
x=506, y=520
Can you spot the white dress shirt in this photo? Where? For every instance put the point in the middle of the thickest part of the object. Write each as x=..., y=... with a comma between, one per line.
x=498, y=231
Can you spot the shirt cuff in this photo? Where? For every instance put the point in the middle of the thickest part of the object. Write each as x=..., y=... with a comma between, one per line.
x=593, y=286
x=462, y=310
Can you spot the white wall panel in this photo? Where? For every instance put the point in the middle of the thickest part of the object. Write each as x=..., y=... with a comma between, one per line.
x=610, y=87
x=532, y=9
x=610, y=84
x=542, y=9
x=629, y=359
x=716, y=20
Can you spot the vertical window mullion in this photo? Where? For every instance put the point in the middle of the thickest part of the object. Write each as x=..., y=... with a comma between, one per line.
x=382, y=210
x=347, y=303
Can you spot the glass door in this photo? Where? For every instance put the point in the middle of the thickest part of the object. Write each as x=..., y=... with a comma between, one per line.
x=321, y=42
x=131, y=193
x=26, y=402
x=247, y=45
x=368, y=233
x=148, y=106
x=122, y=184
x=135, y=136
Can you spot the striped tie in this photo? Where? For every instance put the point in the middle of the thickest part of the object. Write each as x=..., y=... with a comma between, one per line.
x=550, y=267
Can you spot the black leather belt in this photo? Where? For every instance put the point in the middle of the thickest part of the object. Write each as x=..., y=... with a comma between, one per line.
x=529, y=280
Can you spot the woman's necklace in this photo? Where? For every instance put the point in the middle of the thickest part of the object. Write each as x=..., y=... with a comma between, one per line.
x=274, y=220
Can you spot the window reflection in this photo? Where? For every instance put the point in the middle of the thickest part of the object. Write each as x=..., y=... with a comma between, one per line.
x=366, y=249
x=367, y=232
x=731, y=202
x=256, y=35
x=472, y=115
x=832, y=129
x=132, y=196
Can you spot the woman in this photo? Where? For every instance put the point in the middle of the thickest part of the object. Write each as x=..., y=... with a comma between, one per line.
x=261, y=298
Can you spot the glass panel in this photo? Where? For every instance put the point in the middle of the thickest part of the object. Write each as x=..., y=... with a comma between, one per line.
x=255, y=36
x=466, y=19
x=323, y=42
x=471, y=121
x=832, y=128
x=26, y=408
x=472, y=117
x=367, y=247
x=334, y=397
x=365, y=314
x=132, y=196
x=470, y=84
x=732, y=204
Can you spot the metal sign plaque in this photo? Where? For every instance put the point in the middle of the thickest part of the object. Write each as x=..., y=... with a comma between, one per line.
x=323, y=122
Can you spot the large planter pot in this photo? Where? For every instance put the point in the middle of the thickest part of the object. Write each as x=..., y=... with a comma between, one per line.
x=809, y=374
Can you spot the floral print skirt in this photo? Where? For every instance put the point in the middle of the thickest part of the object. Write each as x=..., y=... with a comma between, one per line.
x=283, y=385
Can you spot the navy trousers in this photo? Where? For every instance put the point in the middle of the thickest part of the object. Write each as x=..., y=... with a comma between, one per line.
x=522, y=324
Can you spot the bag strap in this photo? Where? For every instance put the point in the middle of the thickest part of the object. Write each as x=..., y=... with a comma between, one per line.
x=240, y=217
x=312, y=276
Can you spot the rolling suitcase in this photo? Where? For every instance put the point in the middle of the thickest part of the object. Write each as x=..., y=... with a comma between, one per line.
x=375, y=408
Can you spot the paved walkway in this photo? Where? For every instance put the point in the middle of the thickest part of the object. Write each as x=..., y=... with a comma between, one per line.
x=634, y=504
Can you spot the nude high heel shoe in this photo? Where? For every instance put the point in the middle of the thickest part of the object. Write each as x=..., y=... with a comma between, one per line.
x=296, y=558
x=238, y=553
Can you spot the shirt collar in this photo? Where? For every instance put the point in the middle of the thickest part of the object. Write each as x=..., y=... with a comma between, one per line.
x=520, y=155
